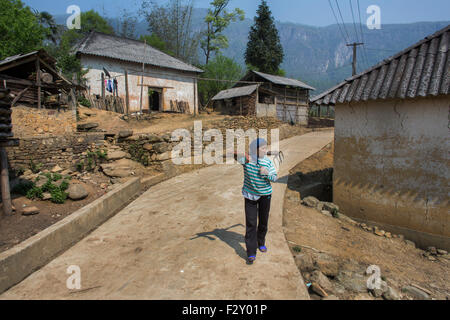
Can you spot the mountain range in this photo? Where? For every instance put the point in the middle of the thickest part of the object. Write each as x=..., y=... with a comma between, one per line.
x=319, y=56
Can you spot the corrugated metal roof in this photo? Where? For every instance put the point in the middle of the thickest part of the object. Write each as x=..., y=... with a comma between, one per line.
x=283, y=80
x=44, y=55
x=235, y=92
x=421, y=70
x=110, y=46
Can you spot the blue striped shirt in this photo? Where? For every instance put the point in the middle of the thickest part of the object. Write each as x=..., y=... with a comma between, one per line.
x=254, y=182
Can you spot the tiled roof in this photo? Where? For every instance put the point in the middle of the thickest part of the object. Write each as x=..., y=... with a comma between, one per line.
x=110, y=46
x=418, y=71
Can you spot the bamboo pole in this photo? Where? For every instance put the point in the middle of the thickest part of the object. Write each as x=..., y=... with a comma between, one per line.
x=38, y=81
x=127, y=94
x=6, y=194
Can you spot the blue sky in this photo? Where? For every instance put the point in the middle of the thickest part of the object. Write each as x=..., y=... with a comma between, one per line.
x=309, y=12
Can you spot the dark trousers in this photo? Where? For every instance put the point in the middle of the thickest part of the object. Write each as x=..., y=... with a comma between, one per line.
x=255, y=234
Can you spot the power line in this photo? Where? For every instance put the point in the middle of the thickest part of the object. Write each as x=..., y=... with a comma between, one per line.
x=362, y=36
x=337, y=21
x=343, y=23
x=356, y=30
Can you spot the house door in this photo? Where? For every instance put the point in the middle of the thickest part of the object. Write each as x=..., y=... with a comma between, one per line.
x=154, y=99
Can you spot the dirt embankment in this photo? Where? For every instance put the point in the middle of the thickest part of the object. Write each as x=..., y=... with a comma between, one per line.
x=336, y=251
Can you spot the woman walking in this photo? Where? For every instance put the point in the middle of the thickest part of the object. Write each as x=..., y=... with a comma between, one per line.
x=259, y=172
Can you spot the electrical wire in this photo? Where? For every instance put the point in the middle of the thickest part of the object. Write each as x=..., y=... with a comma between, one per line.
x=337, y=21
x=342, y=19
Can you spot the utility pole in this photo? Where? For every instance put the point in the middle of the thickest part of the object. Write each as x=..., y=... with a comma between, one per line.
x=354, y=45
x=142, y=79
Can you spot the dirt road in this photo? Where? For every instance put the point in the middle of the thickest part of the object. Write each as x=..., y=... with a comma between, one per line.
x=182, y=239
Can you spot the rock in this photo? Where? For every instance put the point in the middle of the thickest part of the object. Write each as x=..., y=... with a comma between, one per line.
x=379, y=232
x=391, y=294
x=133, y=138
x=77, y=192
x=378, y=292
x=388, y=235
x=432, y=250
x=327, y=265
x=42, y=180
x=167, y=137
x=410, y=243
x=330, y=206
x=46, y=196
x=56, y=169
x=319, y=206
x=319, y=278
x=87, y=126
x=125, y=134
x=161, y=147
x=153, y=138
x=148, y=147
x=431, y=258
x=317, y=289
x=115, y=155
x=304, y=262
x=29, y=211
x=164, y=156
x=326, y=213
x=352, y=281
x=416, y=293
x=311, y=201
x=66, y=172
x=27, y=173
x=442, y=252
x=347, y=219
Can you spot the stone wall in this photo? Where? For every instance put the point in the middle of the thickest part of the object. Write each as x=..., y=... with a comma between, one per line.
x=50, y=150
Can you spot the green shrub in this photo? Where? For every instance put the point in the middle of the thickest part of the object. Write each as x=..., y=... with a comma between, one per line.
x=35, y=193
x=64, y=185
x=84, y=102
x=58, y=196
x=101, y=154
x=80, y=166
x=35, y=168
x=297, y=249
x=335, y=213
x=138, y=154
x=56, y=177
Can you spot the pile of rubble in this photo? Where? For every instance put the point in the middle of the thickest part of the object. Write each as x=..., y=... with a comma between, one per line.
x=330, y=277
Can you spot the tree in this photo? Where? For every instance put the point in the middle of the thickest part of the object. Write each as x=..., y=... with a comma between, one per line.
x=172, y=24
x=69, y=64
x=221, y=68
x=264, y=50
x=20, y=30
x=157, y=43
x=127, y=25
x=217, y=20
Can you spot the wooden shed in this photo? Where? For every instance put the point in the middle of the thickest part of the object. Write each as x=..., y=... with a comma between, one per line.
x=248, y=101
x=33, y=78
x=292, y=96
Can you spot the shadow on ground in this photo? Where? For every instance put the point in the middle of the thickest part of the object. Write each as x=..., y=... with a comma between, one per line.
x=231, y=238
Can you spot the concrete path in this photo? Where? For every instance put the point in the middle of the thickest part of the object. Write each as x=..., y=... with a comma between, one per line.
x=182, y=239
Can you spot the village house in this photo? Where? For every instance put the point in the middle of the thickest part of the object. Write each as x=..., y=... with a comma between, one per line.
x=247, y=101
x=273, y=96
x=169, y=84
x=391, y=162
